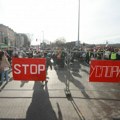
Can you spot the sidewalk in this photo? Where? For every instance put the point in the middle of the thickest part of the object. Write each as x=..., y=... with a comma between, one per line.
x=33, y=101
x=39, y=104
x=2, y=85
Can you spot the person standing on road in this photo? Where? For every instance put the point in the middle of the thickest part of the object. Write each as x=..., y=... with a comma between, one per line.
x=113, y=55
x=4, y=66
x=48, y=63
x=118, y=55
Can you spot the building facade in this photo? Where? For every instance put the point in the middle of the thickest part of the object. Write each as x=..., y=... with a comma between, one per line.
x=7, y=35
x=13, y=39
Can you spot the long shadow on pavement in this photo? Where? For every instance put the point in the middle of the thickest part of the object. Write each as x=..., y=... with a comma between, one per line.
x=2, y=86
x=78, y=111
x=40, y=107
x=65, y=74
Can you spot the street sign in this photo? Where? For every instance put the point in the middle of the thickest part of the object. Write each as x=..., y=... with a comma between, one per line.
x=30, y=69
x=104, y=71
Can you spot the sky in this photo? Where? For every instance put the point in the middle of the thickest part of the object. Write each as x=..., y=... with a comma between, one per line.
x=53, y=19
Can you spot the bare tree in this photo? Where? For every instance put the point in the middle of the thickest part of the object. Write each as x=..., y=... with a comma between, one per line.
x=60, y=42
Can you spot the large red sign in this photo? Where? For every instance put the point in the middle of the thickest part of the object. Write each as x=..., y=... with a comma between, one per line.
x=104, y=71
x=29, y=69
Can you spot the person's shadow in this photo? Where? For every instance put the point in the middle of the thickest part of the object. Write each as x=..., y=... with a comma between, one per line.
x=40, y=107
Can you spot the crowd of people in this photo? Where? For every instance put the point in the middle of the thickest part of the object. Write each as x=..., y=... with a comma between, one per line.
x=57, y=57
x=107, y=53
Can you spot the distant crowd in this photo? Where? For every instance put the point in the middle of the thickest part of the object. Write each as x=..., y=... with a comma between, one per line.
x=57, y=57
x=107, y=53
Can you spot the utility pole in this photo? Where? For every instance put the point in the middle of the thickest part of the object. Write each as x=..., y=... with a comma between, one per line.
x=78, y=22
x=2, y=36
x=43, y=38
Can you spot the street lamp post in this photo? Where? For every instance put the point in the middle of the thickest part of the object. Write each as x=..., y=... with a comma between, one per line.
x=43, y=38
x=78, y=22
x=1, y=37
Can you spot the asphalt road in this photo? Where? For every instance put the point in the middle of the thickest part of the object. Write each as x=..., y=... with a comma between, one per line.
x=84, y=100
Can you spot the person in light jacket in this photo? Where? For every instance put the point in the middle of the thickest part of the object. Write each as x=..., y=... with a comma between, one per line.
x=4, y=66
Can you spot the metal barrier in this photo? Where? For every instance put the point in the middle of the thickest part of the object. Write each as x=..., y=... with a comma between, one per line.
x=67, y=89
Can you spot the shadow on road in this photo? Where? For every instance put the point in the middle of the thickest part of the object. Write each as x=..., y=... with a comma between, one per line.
x=78, y=111
x=2, y=85
x=23, y=83
x=40, y=107
x=60, y=117
x=64, y=75
x=116, y=118
x=11, y=119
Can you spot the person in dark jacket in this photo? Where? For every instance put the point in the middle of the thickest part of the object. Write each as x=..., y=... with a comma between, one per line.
x=118, y=55
x=48, y=63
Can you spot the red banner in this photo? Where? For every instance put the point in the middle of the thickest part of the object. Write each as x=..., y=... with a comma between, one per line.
x=104, y=71
x=30, y=69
